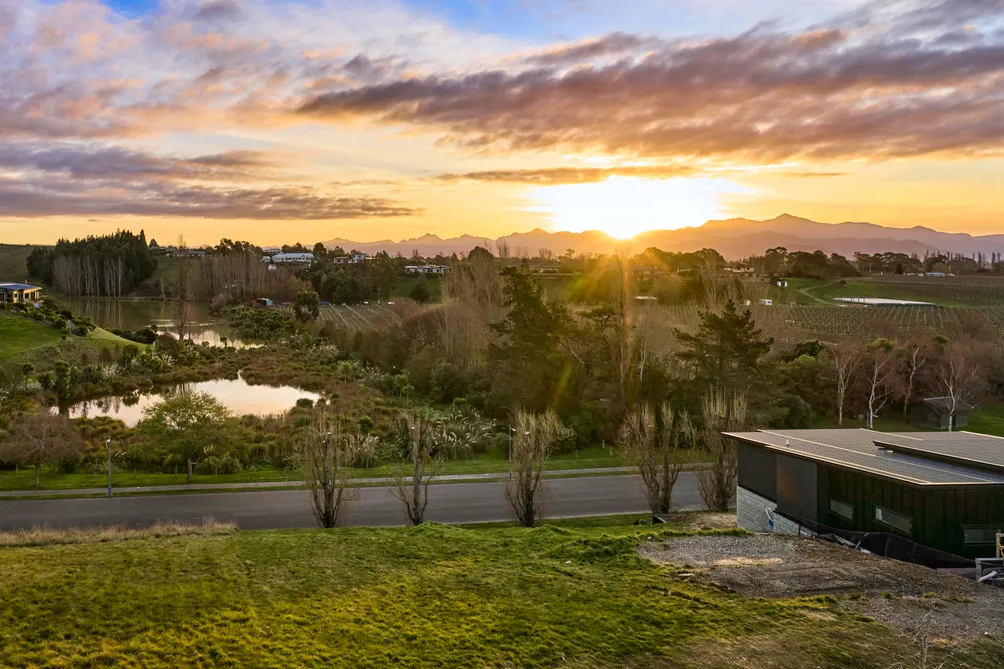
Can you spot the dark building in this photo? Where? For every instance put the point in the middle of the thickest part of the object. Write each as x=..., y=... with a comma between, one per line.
x=942, y=490
x=936, y=412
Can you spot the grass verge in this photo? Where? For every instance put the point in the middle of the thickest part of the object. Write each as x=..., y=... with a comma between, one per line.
x=431, y=596
x=48, y=536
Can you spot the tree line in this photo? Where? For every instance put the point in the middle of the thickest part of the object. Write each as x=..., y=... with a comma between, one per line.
x=105, y=266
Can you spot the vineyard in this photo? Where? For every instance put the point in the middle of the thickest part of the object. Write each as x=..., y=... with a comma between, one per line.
x=791, y=322
x=360, y=316
x=973, y=291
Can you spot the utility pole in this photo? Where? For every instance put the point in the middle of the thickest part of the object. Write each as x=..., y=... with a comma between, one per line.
x=108, y=443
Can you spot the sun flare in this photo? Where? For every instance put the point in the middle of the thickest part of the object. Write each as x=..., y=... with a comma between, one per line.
x=623, y=207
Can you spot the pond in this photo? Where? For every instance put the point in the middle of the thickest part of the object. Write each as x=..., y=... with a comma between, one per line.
x=138, y=314
x=237, y=394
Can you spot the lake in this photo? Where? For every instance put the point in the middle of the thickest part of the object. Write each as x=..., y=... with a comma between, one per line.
x=139, y=314
x=239, y=396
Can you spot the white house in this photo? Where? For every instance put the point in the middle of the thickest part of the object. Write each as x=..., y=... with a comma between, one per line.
x=427, y=269
x=292, y=258
x=781, y=283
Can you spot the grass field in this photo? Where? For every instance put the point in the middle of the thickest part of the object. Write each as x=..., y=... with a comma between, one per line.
x=39, y=343
x=487, y=463
x=433, y=596
x=12, y=263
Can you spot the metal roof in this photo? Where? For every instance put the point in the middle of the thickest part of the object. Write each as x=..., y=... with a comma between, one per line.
x=17, y=286
x=918, y=458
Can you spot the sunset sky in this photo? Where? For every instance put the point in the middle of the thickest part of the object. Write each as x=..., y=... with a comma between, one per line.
x=368, y=119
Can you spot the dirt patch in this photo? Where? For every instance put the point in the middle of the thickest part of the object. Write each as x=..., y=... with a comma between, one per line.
x=703, y=520
x=914, y=599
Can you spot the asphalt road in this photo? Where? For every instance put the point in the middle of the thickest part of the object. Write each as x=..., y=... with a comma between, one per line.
x=448, y=503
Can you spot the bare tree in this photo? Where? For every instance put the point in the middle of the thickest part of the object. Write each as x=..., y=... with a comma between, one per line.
x=182, y=319
x=846, y=358
x=914, y=357
x=960, y=376
x=40, y=438
x=881, y=357
x=720, y=412
x=419, y=436
x=326, y=449
x=652, y=437
x=532, y=444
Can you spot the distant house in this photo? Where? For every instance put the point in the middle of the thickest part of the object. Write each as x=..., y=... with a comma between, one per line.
x=765, y=302
x=292, y=258
x=354, y=259
x=271, y=250
x=647, y=271
x=262, y=302
x=780, y=283
x=427, y=269
x=185, y=253
x=936, y=411
x=19, y=293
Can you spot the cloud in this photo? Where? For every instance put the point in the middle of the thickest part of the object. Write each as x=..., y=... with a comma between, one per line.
x=851, y=90
x=86, y=161
x=571, y=175
x=616, y=43
x=33, y=199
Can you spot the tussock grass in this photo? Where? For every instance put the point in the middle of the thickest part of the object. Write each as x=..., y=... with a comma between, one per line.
x=48, y=536
x=426, y=597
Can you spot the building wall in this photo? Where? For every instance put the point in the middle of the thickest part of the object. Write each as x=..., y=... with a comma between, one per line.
x=751, y=511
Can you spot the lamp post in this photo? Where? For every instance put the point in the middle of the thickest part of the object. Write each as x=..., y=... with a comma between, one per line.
x=108, y=443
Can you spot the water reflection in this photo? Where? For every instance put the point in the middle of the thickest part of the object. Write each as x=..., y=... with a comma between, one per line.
x=139, y=314
x=238, y=395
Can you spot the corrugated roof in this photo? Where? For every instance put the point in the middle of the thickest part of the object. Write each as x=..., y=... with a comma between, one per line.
x=18, y=286
x=922, y=461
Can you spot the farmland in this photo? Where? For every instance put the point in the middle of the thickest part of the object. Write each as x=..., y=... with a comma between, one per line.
x=360, y=316
x=12, y=262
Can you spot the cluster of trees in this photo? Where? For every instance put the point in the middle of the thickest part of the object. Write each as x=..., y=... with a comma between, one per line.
x=107, y=266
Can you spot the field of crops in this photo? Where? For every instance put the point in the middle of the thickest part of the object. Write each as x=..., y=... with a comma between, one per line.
x=360, y=316
x=975, y=291
x=790, y=322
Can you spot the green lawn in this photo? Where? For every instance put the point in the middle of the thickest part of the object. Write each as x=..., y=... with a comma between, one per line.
x=18, y=335
x=31, y=340
x=487, y=463
x=826, y=291
x=432, y=596
x=404, y=285
x=986, y=419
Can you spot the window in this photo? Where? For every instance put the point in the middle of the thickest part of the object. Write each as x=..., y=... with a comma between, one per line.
x=979, y=535
x=842, y=509
x=894, y=520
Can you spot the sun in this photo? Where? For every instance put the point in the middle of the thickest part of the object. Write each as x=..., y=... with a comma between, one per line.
x=622, y=207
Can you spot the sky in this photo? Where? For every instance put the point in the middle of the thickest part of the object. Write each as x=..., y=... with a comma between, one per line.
x=308, y=120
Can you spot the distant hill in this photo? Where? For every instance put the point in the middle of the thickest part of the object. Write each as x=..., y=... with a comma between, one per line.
x=735, y=238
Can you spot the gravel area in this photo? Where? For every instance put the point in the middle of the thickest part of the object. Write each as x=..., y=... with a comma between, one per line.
x=914, y=599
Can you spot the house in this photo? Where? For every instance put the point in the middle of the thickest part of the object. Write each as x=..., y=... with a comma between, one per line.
x=765, y=302
x=19, y=293
x=648, y=271
x=780, y=283
x=936, y=412
x=353, y=259
x=262, y=302
x=943, y=491
x=292, y=258
x=427, y=269
x=185, y=253
x=271, y=250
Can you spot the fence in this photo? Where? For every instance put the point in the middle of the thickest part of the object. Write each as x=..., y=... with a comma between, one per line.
x=890, y=546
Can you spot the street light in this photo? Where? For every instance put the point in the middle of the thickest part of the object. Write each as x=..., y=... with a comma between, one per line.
x=108, y=443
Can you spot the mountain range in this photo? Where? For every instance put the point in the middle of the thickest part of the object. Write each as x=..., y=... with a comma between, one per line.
x=734, y=238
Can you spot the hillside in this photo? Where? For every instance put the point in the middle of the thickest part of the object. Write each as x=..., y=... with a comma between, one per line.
x=735, y=238
x=31, y=341
x=574, y=595
x=12, y=262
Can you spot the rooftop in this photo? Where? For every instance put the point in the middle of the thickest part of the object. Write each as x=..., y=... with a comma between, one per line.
x=918, y=458
x=17, y=286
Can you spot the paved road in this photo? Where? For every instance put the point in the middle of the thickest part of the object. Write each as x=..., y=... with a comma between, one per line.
x=130, y=490
x=453, y=503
